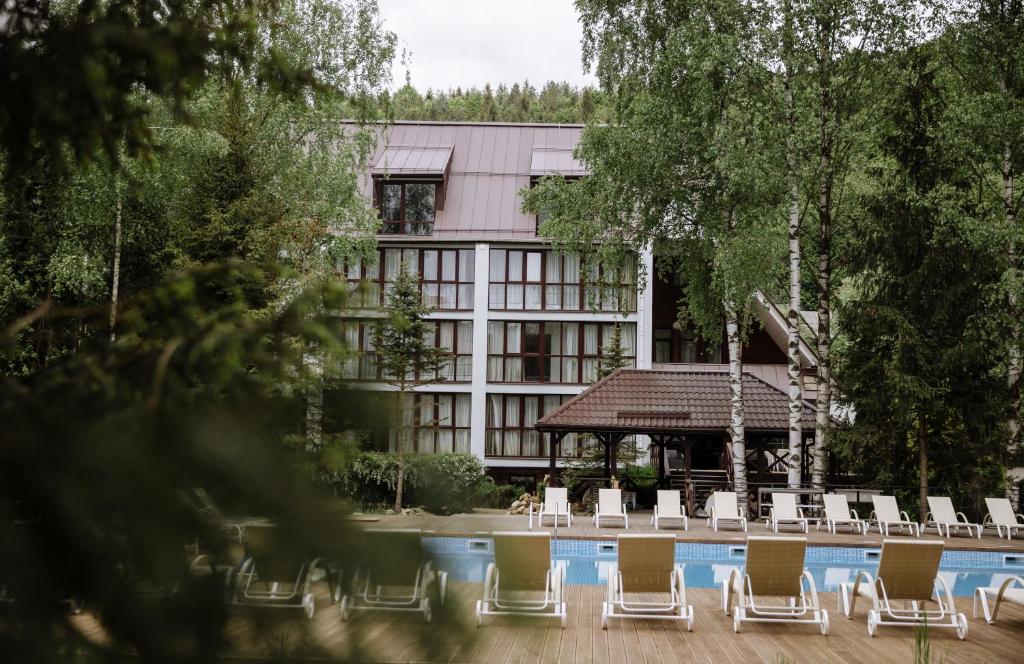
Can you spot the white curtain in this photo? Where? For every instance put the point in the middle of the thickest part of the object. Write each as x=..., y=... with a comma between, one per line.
x=532, y=302
x=392, y=262
x=465, y=337
x=465, y=296
x=463, y=407
x=513, y=342
x=449, y=259
x=571, y=297
x=530, y=417
x=497, y=267
x=446, y=298
x=553, y=298
x=514, y=297
x=590, y=342
x=571, y=274
x=447, y=336
x=467, y=265
x=496, y=296
x=629, y=339
x=554, y=271
x=430, y=265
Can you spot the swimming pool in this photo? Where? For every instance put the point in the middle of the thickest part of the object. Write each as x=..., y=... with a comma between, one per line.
x=589, y=562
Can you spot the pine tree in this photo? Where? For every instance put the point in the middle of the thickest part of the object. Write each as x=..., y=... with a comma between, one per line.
x=612, y=357
x=407, y=358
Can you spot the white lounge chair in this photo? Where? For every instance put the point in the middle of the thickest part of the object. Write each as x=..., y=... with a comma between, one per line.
x=784, y=511
x=774, y=567
x=555, y=505
x=942, y=515
x=609, y=506
x=1002, y=589
x=669, y=507
x=838, y=513
x=273, y=575
x=908, y=572
x=647, y=565
x=395, y=576
x=887, y=514
x=1001, y=515
x=721, y=507
x=522, y=580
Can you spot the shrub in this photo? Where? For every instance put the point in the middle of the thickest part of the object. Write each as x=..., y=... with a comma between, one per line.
x=641, y=477
x=447, y=483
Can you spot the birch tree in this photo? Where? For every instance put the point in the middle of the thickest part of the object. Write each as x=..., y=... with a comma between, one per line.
x=682, y=167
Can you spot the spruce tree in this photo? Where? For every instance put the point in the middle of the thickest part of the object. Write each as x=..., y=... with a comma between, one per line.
x=406, y=357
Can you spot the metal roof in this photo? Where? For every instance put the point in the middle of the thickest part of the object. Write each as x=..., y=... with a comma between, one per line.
x=490, y=164
x=551, y=161
x=404, y=160
x=644, y=401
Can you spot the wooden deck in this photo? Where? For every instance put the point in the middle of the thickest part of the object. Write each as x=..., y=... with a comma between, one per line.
x=390, y=637
x=486, y=521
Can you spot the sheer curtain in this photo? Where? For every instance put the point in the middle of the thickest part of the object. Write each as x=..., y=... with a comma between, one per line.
x=571, y=277
x=444, y=423
x=495, y=349
x=494, y=412
x=463, y=404
x=513, y=345
x=530, y=417
x=571, y=351
x=512, y=431
x=590, y=346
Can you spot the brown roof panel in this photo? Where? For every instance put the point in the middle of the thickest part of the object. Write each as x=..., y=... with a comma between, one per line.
x=643, y=401
x=549, y=161
x=400, y=160
x=490, y=163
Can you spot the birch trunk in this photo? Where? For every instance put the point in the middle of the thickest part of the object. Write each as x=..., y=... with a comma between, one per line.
x=922, y=446
x=736, y=429
x=824, y=206
x=795, y=457
x=314, y=401
x=1014, y=361
x=116, y=278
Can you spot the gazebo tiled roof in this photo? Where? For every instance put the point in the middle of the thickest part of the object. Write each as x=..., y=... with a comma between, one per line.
x=644, y=401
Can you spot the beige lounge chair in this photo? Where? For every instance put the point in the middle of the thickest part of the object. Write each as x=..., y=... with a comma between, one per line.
x=555, y=506
x=647, y=565
x=908, y=573
x=522, y=579
x=273, y=575
x=609, y=506
x=942, y=515
x=395, y=576
x=887, y=514
x=669, y=507
x=1001, y=515
x=784, y=511
x=721, y=507
x=1001, y=590
x=774, y=567
x=838, y=513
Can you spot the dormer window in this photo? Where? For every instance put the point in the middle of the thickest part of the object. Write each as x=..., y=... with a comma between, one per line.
x=407, y=208
x=409, y=187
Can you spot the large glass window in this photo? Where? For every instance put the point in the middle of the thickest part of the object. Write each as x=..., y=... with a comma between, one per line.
x=456, y=337
x=407, y=207
x=672, y=345
x=528, y=352
x=433, y=423
x=549, y=280
x=510, y=425
x=445, y=276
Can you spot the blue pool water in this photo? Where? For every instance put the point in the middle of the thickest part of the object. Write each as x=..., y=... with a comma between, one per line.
x=589, y=562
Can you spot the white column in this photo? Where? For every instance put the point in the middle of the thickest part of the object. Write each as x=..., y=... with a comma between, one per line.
x=645, y=332
x=478, y=415
x=645, y=312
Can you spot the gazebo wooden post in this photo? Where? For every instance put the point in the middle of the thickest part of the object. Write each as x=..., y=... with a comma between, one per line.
x=556, y=440
x=613, y=446
x=607, y=456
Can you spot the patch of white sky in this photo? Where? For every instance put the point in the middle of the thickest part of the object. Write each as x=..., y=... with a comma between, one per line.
x=467, y=43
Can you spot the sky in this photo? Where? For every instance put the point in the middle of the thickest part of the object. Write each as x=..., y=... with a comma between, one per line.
x=466, y=43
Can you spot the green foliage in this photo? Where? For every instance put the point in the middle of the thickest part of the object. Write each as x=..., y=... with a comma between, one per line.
x=442, y=483
x=923, y=336
x=404, y=351
x=641, y=476
x=554, y=102
x=98, y=446
x=612, y=357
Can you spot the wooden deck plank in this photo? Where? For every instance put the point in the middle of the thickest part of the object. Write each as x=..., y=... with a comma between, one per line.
x=388, y=637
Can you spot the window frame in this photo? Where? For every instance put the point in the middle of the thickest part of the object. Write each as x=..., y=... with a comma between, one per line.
x=465, y=287
x=545, y=359
x=403, y=226
x=568, y=448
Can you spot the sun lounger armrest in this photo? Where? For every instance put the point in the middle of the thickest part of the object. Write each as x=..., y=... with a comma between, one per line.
x=906, y=517
x=962, y=517
x=680, y=582
x=1020, y=518
x=856, y=517
x=987, y=521
x=872, y=516
x=811, y=586
x=1005, y=585
x=734, y=587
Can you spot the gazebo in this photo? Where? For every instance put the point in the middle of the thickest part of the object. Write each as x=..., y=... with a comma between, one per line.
x=673, y=408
